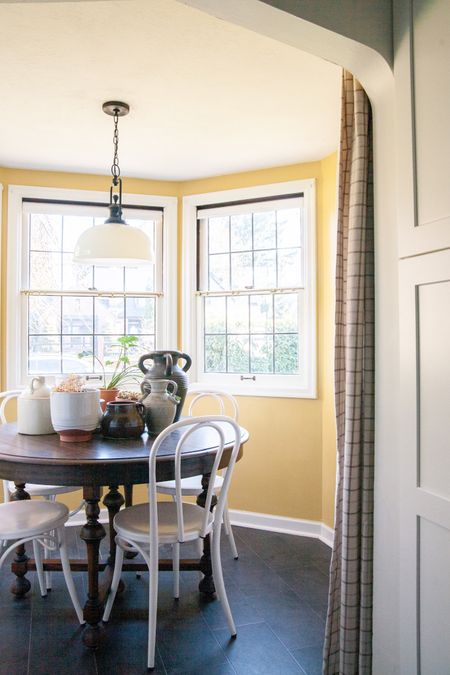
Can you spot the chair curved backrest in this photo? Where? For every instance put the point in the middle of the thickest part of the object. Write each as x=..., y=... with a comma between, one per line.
x=6, y=396
x=223, y=399
x=182, y=431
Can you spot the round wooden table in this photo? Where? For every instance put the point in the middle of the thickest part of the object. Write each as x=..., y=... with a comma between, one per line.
x=93, y=464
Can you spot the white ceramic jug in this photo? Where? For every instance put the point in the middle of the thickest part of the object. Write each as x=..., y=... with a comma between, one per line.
x=33, y=409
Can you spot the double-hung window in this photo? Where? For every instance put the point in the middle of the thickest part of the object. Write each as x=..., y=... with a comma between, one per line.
x=58, y=309
x=250, y=308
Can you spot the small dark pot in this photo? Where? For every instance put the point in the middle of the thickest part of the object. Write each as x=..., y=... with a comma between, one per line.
x=123, y=419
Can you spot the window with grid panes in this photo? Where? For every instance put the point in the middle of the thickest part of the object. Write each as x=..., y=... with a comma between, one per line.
x=255, y=293
x=70, y=308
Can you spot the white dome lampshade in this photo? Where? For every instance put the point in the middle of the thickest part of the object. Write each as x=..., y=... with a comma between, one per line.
x=113, y=244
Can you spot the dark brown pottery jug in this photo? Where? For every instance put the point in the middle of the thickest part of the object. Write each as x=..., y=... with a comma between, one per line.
x=165, y=366
x=123, y=419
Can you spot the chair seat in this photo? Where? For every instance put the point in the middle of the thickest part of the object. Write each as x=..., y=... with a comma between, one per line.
x=35, y=490
x=189, y=486
x=133, y=522
x=27, y=518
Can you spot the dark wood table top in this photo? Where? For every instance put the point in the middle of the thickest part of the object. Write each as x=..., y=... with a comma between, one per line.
x=101, y=461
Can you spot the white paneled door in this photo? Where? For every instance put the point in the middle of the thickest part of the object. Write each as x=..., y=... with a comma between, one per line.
x=423, y=103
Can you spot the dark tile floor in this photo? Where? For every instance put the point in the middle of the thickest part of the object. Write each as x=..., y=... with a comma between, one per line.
x=278, y=595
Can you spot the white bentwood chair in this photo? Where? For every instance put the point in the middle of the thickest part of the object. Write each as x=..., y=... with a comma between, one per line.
x=48, y=492
x=193, y=486
x=41, y=522
x=144, y=527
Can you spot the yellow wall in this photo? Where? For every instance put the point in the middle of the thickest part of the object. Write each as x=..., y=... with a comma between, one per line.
x=288, y=463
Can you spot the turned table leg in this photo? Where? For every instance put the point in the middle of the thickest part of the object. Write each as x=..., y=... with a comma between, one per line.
x=20, y=585
x=92, y=533
x=113, y=501
x=206, y=585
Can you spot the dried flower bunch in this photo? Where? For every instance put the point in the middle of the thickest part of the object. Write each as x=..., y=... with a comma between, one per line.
x=72, y=383
x=129, y=395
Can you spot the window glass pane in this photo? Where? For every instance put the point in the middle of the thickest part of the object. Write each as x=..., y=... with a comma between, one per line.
x=288, y=228
x=145, y=344
x=44, y=355
x=72, y=346
x=241, y=232
x=45, y=232
x=238, y=353
x=286, y=313
x=237, y=314
x=219, y=273
x=109, y=315
x=215, y=353
x=265, y=269
x=44, y=315
x=264, y=230
x=78, y=315
x=106, y=350
x=289, y=268
x=215, y=315
x=241, y=270
x=286, y=353
x=261, y=313
x=261, y=354
x=45, y=271
x=108, y=278
x=140, y=316
x=140, y=278
x=73, y=227
x=219, y=234
x=76, y=277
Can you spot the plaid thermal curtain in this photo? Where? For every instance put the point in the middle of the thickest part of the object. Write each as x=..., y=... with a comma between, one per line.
x=348, y=640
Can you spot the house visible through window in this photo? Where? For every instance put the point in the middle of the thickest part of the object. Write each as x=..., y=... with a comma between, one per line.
x=255, y=293
x=68, y=308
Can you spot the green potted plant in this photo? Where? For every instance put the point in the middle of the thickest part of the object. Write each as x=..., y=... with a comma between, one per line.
x=124, y=371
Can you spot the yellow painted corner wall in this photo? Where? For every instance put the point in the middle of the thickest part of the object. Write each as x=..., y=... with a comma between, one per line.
x=285, y=467
x=327, y=248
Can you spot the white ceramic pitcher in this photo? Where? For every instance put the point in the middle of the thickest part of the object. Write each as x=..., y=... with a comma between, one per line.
x=33, y=409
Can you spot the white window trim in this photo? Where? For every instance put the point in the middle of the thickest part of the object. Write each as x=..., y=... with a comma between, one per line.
x=16, y=253
x=190, y=314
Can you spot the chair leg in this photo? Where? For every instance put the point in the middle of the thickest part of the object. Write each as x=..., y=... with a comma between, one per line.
x=39, y=569
x=152, y=605
x=199, y=542
x=61, y=535
x=176, y=569
x=229, y=532
x=114, y=584
x=48, y=575
x=218, y=580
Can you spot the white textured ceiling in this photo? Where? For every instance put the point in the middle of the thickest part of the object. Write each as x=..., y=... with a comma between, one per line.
x=206, y=97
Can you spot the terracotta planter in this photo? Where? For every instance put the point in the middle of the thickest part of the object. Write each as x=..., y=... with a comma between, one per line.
x=107, y=395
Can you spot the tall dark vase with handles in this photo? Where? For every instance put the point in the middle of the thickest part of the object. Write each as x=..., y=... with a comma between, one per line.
x=165, y=366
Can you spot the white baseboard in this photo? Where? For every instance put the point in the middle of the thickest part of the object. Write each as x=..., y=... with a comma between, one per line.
x=295, y=526
x=258, y=521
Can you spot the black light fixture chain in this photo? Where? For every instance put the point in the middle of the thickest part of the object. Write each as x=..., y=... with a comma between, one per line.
x=115, y=168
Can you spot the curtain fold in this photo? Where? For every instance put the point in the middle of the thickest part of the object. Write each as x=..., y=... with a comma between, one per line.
x=348, y=638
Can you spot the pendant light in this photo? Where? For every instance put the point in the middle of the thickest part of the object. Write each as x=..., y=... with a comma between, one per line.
x=114, y=242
